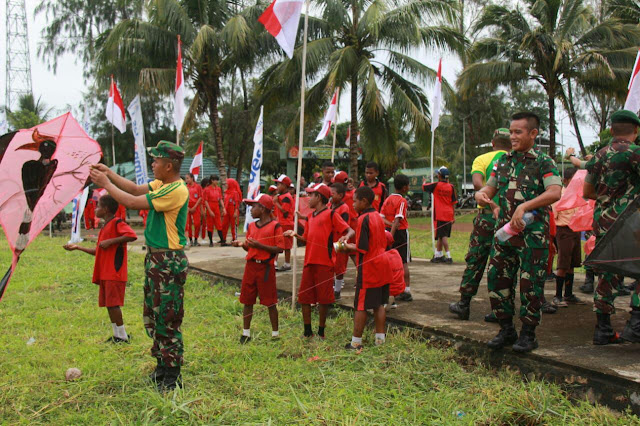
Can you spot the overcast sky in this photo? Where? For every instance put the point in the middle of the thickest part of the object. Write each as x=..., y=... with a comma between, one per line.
x=66, y=86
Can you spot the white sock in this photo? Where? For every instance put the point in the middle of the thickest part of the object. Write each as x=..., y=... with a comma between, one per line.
x=438, y=253
x=337, y=286
x=380, y=336
x=246, y=332
x=122, y=334
x=407, y=289
x=449, y=254
x=356, y=340
x=286, y=265
x=275, y=333
x=115, y=329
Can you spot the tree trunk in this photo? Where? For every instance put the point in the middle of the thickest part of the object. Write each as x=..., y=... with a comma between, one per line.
x=245, y=131
x=552, y=124
x=231, y=122
x=217, y=132
x=574, y=119
x=353, y=135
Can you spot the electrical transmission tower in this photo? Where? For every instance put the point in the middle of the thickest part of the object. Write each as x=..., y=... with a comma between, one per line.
x=18, y=71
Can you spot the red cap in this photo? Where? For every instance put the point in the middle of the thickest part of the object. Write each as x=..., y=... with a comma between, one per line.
x=341, y=177
x=390, y=239
x=322, y=189
x=273, y=188
x=316, y=175
x=284, y=179
x=265, y=200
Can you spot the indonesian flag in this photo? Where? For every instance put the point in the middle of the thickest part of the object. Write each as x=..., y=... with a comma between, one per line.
x=330, y=117
x=348, y=141
x=196, y=163
x=281, y=19
x=633, y=98
x=178, y=109
x=437, y=100
x=115, y=108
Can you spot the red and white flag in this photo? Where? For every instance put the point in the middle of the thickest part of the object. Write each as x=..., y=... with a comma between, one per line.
x=633, y=97
x=178, y=102
x=437, y=100
x=348, y=141
x=330, y=117
x=115, y=108
x=196, y=164
x=281, y=19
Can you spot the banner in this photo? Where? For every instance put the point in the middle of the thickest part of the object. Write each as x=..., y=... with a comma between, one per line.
x=76, y=215
x=253, y=188
x=137, y=127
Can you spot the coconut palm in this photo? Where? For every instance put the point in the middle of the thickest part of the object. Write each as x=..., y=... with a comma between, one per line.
x=550, y=42
x=366, y=46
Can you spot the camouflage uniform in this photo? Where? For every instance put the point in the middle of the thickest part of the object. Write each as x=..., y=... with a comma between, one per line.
x=165, y=275
x=520, y=177
x=480, y=242
x=615, y=173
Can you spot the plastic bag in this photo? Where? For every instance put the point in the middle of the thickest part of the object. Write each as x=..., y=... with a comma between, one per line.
x=572, y=196
x=582, y=220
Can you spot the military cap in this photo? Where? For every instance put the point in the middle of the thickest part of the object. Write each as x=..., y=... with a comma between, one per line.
x=165, y=149
x=625, y=116
x=501, y=133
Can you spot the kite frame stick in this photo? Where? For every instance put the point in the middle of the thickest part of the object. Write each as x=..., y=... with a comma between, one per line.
x=301, y=135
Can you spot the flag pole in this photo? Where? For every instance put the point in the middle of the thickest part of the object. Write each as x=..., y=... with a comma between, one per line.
x=433, y=235
x=113, y=144
x=301, y=136
x=335, y=127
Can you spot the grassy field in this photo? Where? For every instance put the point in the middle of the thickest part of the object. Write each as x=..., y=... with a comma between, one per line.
x=407, y=381
x=420, y=232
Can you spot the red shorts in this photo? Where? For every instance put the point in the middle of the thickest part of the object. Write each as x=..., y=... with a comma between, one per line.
x=370, y=298
x=341, y=263
x=316, y=285
x=259, y=280
x=288, y=241
x=111, y=293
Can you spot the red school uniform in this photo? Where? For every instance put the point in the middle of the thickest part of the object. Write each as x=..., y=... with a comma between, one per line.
x=193, y=218
x=110, y=267
x=353, y=215
x=212, y=196
x=380, y=192
x=397, y=284
x=396, y=206
x=341, y=259
x=316, y=285
x=285, y=218
x=121, y=213
x=259, y=273
x=444, y=197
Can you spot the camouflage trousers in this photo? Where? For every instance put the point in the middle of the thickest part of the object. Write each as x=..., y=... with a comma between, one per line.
x=607, y=290
x=479, y=249
x=165, y=276
x=503, y=268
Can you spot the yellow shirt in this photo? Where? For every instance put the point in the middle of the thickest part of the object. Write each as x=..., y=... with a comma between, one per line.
x=167, y=220
x=483, y=164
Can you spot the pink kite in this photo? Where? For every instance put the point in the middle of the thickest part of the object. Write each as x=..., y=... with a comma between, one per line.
x=41, y=170
x=573, y=196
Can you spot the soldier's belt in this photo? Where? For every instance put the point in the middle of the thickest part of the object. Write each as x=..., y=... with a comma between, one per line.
x=158, y=250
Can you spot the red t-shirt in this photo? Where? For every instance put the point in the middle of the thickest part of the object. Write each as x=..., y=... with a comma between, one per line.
x=397, y=284
x=353, y=215
x=343, y=210
x=121, y=213
x=269, y=234
x=195, y=193
x=322, y=230
x=212, y=196
x=111, y=263
x=371, y=243
x=285, y=217
x=396, y=206
x=444, y=198
x=380, y=192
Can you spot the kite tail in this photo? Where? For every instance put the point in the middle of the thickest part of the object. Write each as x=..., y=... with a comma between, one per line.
x=7, y=276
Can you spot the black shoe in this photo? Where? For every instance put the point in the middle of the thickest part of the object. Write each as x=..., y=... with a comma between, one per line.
x=527, y=340
x=491, y=317
x=157, y=376
x=551, y=277
x=631, y=332
x=437, y=259
x=336, y=295
x=196, y=244
x=572, y=299
x=117, y=340
x=172, y=379
x=245, y=339
x=587, y=287
x=604, y=334
x=462, y=308
x=548, y=308
x=506, y=336
x=404, y=297
x=351, y=347
x=448, y=260
x=211, y=244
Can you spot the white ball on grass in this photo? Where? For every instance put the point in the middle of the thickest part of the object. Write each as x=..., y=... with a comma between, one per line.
x=73, y=374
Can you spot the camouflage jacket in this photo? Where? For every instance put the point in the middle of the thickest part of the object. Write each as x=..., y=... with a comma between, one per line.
x=615, y=173
x=521, y=177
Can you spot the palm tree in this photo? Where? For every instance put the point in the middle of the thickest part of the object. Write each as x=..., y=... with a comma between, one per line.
x=366, y=46
x=552, y=42
x=30, y=112
x=217, y=40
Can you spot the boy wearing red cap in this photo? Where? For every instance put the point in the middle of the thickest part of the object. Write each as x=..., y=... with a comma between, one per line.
x=323, y=228
x=263, y=242
x=284, y=208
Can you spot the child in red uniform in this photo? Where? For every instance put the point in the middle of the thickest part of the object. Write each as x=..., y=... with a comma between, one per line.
x=232, y=200
x=90, y=214
x=341, y=258
x=143, y=214
x=374, y=271
x=204, y=216
x=328, y=171
x=444, y=201
x=110, y=267
x=284, y=208
x=394, y=210
x=262, y=243
x=212, y=197
x=343, y=177
x=121, y=213
x=371, y=173
x=397, y=284
x=193, y=217
x=323, y=228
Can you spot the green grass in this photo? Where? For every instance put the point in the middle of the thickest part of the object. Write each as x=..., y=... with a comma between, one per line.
x=420, y=233
x=407, y=381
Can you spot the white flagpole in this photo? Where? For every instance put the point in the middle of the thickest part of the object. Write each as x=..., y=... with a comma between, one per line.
x=113, y=144
x=303, y=86
x=433, y=235
x=335, y=127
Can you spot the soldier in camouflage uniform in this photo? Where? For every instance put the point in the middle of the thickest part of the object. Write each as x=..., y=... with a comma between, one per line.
x=165, y=265
x=525, y=180
x=613, y=180
x=483, y=227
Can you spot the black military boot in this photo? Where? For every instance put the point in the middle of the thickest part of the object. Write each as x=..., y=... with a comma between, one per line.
x=631, y=332
x=527, y=340
x=462, y=308
x=604, y=334
x=172, y=378
x=158, y=374
x=587, y=287
x=490, y=317
x=506, y=336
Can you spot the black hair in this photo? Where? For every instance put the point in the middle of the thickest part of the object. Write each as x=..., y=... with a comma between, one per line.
x=400, y=181
x=190, y=175
x=327, y=163
x=365, y=193
x=533, y=121
x=339, y=187
x=623, y=129
x=204, y=183
x=501, y=143
x=324, y=199
x=109, y=203
x=372, y=165
x=214, y=177
x=570, y=172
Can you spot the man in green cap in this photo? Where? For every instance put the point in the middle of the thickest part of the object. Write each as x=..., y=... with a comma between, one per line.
x=483, y=227
x=613, y=180
x=165, y=264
